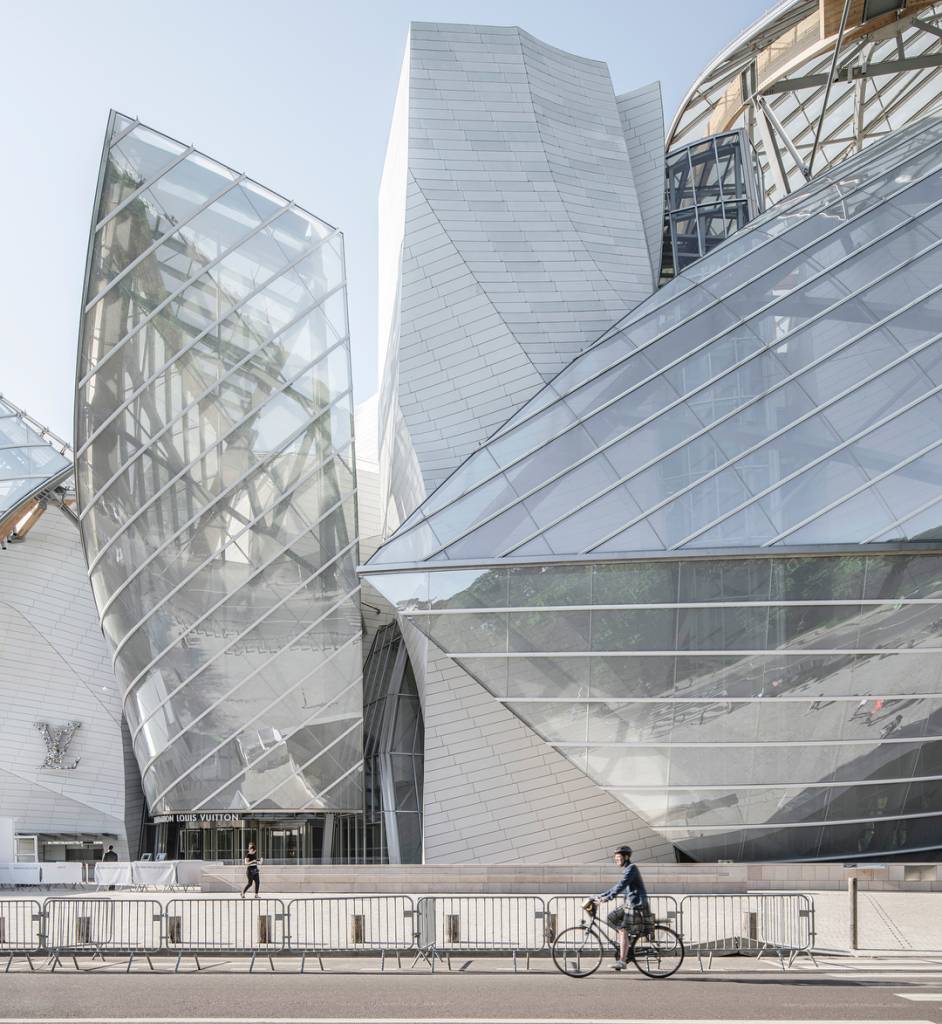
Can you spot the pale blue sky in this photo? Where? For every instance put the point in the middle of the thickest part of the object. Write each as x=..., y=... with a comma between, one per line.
x=298, y=95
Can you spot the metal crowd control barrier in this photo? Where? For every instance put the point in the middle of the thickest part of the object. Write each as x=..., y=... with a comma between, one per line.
x=564, y=912
x=225, y=925
x=351, y=924
x=97, y=925
x=21, y=931
x=446, y=924
x=781, y=923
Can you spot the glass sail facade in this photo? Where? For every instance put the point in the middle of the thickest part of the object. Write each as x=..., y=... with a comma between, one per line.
x=31, y=460
x=216, y=485
x=703, y=562
x=757, y=708
x=784, y=390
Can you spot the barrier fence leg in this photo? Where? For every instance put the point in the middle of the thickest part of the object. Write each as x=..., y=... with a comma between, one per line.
x=382, y=960
x=303, y=958
x=75, y=961
x=271, y=963
x=398, y=960
x=150, y=963
x=320, y=961
x=514, y=956
x=176, y=969
x=252, y=964
x=196, y=957
x=6, y=970
x=29, y=960
x=130, y=961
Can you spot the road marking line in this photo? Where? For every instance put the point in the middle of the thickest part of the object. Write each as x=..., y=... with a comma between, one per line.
x=921, y=997
x=223, y=1019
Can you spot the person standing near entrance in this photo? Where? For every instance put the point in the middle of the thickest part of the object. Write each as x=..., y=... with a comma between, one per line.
x=252, y=863
x=110, y=857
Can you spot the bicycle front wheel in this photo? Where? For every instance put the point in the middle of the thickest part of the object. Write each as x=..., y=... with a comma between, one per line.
x=657, y=951
x=578, y=951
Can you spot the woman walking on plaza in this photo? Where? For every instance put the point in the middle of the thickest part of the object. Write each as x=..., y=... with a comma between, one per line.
x=251, y=870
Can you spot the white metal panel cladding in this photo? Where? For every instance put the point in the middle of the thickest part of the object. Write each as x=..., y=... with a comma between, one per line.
x=511, y=236
x=216, y=481
x=787, y=389
x=752, y=708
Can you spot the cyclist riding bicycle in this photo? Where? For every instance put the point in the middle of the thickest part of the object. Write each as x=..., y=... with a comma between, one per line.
x=635, y=904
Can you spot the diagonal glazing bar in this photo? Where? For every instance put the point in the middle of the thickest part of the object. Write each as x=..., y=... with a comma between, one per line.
x=336, y=782
x=897, y=523
x=232, y=539
x=216, y=385
x=248, y=629
x=826, y=455
x=864, y=486
x=310, y=627
x=128, y=199
x=230, y=311
x=759, y=444
x=430, y=518
x=158, y=242
x=229, y=490
x=265, y=711
x=685, y=397
x=307, y=764
x=808, y=192
x=177, y=292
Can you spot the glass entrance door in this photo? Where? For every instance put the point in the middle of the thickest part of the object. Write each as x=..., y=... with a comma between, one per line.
x=285, y=843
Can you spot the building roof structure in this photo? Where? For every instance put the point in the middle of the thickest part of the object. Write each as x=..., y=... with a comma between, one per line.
x=783, y=391
x=814, y=81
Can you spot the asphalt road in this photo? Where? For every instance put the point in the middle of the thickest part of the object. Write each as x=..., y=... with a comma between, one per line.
x=870, y=993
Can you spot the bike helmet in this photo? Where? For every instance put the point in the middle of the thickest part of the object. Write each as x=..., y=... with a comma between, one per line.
x=625, y=851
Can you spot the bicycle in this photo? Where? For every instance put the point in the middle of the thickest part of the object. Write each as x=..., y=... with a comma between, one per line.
x=656, y=950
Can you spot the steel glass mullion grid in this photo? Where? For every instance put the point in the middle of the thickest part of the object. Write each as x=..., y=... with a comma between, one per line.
x=684, y=398
x=801, y=652
x=245, y=679
x=214, y=444
x=303, y=767
x=169, y=696
x=771, y=437
x=244, y=725
x=722, y=744
x=281, y=696
x=668, y=366
x=795, y=201
x=336, y=781
x=898, y=521
x=177, y=292
x=187, y=151
x=215, y=386
x=122, y=528
x=227, y=491
x=209, y=611
x=157, y=243
x=876, y=425
x=230, y=540
x=231, y=311
x=867, y=484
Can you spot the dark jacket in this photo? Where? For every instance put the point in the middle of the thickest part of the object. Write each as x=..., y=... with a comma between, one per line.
x=110, y=856
x=632, y=885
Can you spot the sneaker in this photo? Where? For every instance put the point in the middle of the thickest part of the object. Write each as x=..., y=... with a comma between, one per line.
x=619, y=965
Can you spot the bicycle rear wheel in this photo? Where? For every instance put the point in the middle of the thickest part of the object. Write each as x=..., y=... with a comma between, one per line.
x=578, y=951
x=657, y=951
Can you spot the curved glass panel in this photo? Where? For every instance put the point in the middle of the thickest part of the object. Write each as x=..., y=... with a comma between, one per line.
x=216, y=483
